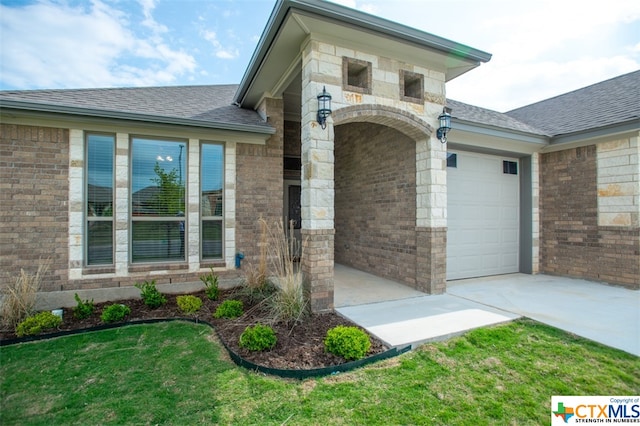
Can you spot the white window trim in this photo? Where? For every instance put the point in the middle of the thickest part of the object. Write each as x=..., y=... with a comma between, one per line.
x=77, y=239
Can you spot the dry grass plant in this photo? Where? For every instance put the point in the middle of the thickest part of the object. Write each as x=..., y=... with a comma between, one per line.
x=289, y=303
x=19, y=298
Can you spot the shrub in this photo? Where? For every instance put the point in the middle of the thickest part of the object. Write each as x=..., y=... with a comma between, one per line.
x=229, y=309
x=150, y=294
x=189, y=304
x=210, y=281
x=35, y=324
x=258, y=338
x=19, y=298
x=83, y=309
x=348, y=342
x=114, y=313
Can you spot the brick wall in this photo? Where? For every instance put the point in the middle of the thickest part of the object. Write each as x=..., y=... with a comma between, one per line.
x=34, y=201
x=572, y=243
x=259, y=185
x=375, y=201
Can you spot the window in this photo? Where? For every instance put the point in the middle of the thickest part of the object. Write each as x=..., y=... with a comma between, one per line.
x=411, y=86
x=510, y=167
x=99, y=199
x=157, y=200
x=212, y=200
x=356, y=75
x=452, y=160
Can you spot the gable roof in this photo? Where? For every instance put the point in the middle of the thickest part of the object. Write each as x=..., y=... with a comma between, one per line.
x=200, y=106
x=614, y=102
x=276, y=57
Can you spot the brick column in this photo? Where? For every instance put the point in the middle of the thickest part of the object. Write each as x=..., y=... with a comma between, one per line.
x=317, y=267
x=431, y=254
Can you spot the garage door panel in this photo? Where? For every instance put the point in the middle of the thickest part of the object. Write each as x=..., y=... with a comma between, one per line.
x=483, y=217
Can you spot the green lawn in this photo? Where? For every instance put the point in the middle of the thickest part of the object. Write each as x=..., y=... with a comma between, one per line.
x=176, y=373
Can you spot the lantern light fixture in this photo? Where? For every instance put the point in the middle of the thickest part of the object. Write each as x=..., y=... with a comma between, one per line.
x=324, y=107
x=445, y=124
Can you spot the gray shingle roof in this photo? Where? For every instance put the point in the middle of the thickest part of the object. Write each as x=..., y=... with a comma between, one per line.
x=610, y=102
x=483, y=116
x=195, y=103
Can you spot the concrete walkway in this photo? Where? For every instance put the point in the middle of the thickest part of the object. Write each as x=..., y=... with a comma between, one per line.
x=606, y=314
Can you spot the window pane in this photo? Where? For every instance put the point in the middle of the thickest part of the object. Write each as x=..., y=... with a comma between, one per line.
x=100, y=175
x=100, y=243
x=157, y=240
x=99, y=199
x=212, y=239
x=212, y=180
x=157, y=178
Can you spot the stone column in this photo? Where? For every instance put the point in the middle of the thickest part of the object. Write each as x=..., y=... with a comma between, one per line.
x=317, y=187
x=431, y=216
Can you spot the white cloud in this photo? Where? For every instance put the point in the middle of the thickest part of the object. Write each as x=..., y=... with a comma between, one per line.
x=149, y=21
x=51, y=44
x=219, y=50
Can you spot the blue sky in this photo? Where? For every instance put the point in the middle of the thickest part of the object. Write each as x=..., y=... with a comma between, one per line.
x=541, y=48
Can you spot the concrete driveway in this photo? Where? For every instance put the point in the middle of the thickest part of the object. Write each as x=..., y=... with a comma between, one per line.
x=606, y=314
x=401, y=316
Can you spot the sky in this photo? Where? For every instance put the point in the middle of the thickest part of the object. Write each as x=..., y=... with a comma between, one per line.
x=540, y=48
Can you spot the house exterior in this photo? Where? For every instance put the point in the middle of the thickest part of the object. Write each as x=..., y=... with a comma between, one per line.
x=121, y=185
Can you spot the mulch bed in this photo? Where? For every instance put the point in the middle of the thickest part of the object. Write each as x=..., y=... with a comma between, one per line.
x=299, y=346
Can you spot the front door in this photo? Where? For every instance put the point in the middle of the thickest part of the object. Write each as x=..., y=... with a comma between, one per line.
x=293, y=210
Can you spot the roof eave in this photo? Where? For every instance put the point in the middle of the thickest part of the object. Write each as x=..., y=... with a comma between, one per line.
x=499, y=132
x=128, y=116
x=632, y=125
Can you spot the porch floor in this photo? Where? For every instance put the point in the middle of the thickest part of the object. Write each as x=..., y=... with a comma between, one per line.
x=401, y=316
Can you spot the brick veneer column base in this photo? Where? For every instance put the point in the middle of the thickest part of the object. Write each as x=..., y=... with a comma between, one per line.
x=431, y=260
x=317, y=267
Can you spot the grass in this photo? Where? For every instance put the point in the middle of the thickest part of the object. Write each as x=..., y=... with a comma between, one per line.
x=176, y=373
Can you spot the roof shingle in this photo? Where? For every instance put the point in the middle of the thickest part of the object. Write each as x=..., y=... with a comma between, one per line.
x=610, y=102
x=197, y=103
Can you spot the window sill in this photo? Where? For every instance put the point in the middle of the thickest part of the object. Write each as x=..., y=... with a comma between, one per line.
x=96, y=270
x=149, y=267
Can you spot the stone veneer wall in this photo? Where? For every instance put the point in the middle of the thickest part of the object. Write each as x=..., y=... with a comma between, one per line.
x=572, y=242
x=375, y=201
x=34, y=193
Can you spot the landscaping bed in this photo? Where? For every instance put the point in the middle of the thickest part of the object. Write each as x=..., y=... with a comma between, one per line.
x=299, y=346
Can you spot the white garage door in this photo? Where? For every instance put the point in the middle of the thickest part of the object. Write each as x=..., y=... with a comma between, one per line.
x=483, y=215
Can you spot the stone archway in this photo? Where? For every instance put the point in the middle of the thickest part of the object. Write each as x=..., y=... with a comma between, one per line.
x=401, y=120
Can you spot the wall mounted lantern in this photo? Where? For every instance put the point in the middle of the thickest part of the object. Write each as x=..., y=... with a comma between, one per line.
x=445, y=124
x=324, y=107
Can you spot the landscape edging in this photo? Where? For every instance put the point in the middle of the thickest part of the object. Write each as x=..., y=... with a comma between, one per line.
x=237, y=359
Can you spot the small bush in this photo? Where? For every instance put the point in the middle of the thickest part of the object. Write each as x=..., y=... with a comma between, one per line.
x=150, y=294
x=229, y=309
x=35, y=324
x=83, y=309
x=114, y=313
x=210, y=281
x=258, y=338
x=189, y=304
x=348, y=342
